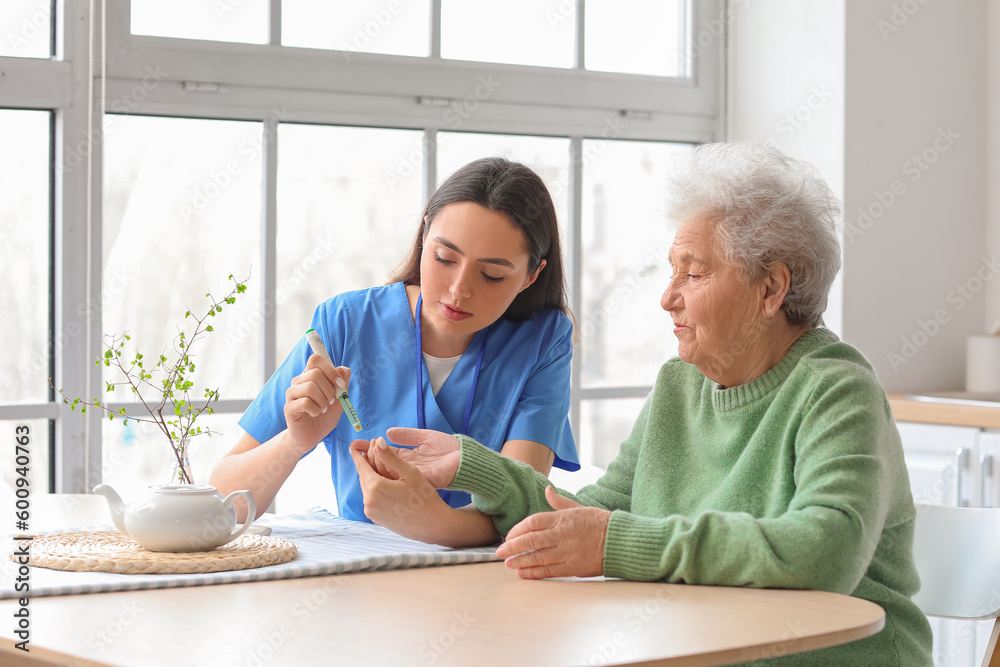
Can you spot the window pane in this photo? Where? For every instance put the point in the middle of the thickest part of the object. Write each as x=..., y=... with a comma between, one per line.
x=626, y=242
x=363, y=26
x=548, y=156
x=519, y=32
x=12, y=467
x=24, y=255
x=637, y=36
x=310, y=485
x=349, y=205
x=138, y=455
x=220, y=21
x=27, y=28
x=181, y=212
x=603, y=425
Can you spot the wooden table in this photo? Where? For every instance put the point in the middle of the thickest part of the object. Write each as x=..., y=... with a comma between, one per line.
x=478, y=614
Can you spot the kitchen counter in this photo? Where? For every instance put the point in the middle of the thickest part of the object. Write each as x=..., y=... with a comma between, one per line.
x=957, y=408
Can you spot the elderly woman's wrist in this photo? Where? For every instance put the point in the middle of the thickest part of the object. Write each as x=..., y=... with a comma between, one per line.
x=633, y=547
x=480, y=470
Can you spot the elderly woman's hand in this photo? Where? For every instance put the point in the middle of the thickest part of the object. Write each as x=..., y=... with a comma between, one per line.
x=396, y=495
x=568, y=542
x=434, y=454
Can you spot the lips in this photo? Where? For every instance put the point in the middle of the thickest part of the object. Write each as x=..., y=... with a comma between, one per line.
x=678, y=328
x=453, y=313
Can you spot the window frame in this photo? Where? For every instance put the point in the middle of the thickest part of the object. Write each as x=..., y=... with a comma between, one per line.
x=272, y=83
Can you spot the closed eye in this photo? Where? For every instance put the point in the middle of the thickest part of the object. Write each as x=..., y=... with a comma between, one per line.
x=486, y=276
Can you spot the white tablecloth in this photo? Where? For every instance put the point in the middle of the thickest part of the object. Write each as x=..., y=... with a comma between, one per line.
x=326, y=545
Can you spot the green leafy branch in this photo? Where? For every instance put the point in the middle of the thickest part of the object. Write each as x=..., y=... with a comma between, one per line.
x=172, y=409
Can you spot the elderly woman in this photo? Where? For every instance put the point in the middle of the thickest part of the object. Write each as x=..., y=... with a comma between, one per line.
x=765, y=456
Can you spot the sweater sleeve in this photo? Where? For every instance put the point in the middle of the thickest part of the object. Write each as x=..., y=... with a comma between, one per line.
x=826, y=537
x=509, y=491
x=503, y=488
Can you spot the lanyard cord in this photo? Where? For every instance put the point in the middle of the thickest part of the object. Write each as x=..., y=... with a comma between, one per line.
x=421, y=423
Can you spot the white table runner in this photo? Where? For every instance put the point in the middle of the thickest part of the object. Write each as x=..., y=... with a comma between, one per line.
x=326, y=545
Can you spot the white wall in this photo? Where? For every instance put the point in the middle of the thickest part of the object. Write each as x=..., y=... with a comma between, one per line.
x=993, y=155
x=786, y=86
x=914, y=120
x=916, y=117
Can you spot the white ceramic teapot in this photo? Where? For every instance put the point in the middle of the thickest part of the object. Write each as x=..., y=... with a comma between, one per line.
x=179, y=517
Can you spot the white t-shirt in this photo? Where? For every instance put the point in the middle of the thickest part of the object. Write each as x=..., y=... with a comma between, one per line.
x=438, y=369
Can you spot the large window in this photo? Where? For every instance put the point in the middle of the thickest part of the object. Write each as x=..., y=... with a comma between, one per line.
x=25, y=250
x=243, y=21
x=360, y=26
x=296, y=142
x=25, y=255
x=27, y=29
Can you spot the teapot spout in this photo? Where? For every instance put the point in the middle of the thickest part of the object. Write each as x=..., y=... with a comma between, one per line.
x=115, y=504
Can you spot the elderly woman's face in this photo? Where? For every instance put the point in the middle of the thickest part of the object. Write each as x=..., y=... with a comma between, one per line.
x=714, y=315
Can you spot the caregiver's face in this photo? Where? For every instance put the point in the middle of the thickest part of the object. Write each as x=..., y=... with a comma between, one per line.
x=474, y=262
x=713, y=313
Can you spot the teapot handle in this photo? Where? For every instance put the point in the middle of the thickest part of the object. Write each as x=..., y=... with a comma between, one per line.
x=251, y=510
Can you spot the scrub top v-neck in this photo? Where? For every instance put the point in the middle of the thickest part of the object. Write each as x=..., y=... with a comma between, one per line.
x=421, y=368
x=522, y=392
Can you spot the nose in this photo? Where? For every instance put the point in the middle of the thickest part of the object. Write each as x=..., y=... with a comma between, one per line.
x=460, y=287
x=671, y=298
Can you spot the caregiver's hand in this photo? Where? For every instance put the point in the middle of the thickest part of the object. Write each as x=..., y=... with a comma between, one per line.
x=568, y=542
x=434, y=454
x=396, y=495
x=311, y=406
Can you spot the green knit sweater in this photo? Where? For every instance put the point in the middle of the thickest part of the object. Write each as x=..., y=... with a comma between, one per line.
x=793, y=480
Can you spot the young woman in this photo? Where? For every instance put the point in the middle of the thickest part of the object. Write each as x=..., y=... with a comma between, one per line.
x=472, y=336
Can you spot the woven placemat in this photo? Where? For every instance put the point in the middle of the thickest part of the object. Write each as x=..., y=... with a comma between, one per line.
x=111, y=551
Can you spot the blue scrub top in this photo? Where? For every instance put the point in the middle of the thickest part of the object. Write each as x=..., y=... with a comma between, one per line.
x=522, y=394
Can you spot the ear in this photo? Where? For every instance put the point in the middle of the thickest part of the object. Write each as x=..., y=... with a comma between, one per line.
x=776, y=283
x=532, y=278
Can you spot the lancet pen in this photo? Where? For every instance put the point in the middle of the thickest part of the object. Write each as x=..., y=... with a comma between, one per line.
x=345, y=401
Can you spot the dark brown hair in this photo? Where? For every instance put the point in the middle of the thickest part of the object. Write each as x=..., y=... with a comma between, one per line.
x=513, y=189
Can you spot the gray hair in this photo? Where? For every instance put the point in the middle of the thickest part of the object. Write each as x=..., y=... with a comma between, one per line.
x=766, y=207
